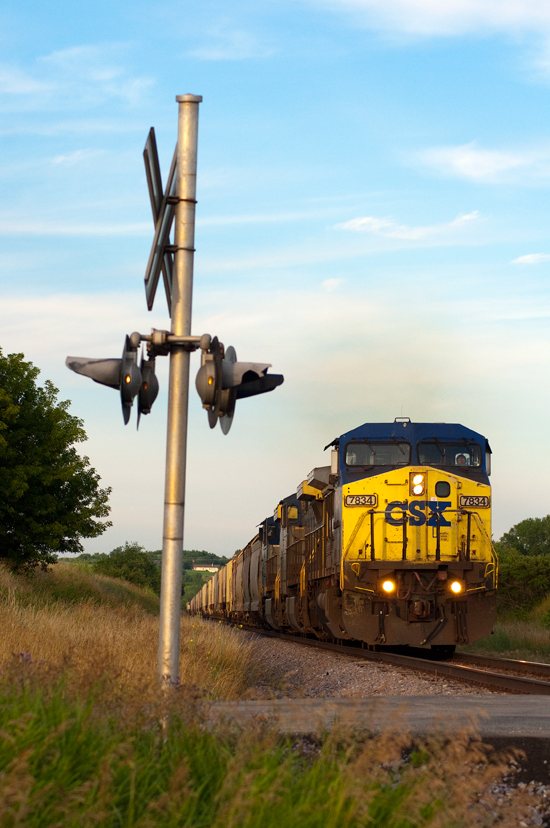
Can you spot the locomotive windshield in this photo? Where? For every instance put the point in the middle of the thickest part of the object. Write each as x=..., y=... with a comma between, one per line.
x=365, y=453
x=441, y=453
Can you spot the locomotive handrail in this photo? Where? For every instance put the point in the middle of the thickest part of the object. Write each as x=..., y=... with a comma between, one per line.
x=403, y=522
x=494, y=560
x=356, y=528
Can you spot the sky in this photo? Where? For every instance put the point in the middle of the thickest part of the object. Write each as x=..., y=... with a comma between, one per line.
x=372, y=219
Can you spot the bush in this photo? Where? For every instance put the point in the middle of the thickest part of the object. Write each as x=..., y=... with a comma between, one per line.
x=524, y=581
x=130, y=562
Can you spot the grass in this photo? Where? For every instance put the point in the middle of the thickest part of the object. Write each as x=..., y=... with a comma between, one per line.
x=87, y=625
x=86, y=738
x=68, y=760
x=523, y=635
x=515, y=638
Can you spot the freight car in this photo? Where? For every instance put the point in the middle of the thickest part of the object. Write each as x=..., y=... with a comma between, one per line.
x=389, y=545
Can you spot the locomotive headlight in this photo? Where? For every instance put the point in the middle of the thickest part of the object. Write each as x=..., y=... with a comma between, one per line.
x=388, y=586
x=418, y=484
x=456, y=587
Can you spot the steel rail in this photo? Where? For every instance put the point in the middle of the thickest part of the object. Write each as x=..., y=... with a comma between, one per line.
x=531, y=668
x=505, y=682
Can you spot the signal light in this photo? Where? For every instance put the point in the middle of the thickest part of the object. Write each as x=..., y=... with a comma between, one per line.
x=221, y=381
x=388, y=586
x=149, y=388
x=130, y=386
x=122, y=374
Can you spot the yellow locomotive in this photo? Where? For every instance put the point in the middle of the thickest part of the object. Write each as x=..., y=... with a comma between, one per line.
x=389, y=545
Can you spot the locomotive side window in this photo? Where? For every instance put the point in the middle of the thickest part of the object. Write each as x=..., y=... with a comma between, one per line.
x=378, y=454
x=440, y=453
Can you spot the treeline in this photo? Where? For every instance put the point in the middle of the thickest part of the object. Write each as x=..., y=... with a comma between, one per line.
x=139, y=566
x=524, y=581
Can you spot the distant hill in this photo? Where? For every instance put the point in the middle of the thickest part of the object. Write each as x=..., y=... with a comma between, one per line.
x=190, y=557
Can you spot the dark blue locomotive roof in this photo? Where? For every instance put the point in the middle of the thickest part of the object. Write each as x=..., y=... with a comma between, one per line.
x=403, y=430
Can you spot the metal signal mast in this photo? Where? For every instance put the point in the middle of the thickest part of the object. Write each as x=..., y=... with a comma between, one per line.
x=220, y=381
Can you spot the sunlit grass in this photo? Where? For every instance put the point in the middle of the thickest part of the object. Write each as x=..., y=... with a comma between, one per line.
x=89, y=626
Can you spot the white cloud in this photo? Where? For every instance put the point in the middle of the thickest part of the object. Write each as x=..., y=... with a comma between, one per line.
x=15, y=82
x=224, y=43
x=430, y=18
x=63, y=228
x=63, y=127
x=73, y=159
x=264, y=218
x=476, y=164
x=532, y=259
x=98, y=67
x=389, y=229
x=82, y=75
x=347, y=370
x=331, y=285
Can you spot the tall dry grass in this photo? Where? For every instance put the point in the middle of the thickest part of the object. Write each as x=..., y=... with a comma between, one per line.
x=95, y=629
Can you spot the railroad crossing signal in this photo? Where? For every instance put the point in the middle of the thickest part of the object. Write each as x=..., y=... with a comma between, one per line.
x=124, y=375
x=221, y=381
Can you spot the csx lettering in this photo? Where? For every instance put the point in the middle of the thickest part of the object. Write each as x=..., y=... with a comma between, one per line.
x=414, y=513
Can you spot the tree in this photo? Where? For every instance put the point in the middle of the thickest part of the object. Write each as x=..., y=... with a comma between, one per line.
x=50, y=496
x=132, y=563
x=529, y=537
x=524, y=581
x=192, y=582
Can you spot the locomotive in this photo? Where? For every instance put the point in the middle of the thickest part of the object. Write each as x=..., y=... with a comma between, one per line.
x=389, y=545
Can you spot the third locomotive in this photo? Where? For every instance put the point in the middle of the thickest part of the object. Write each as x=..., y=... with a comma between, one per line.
x=389, y=545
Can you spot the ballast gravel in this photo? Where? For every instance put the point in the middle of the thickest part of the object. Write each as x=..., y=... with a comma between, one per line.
x=285, y=669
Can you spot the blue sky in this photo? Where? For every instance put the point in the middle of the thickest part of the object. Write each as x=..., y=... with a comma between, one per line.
x=373, y=219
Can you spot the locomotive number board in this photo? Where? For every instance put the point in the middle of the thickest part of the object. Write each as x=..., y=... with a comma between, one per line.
x=479, y=501
x=361, y=500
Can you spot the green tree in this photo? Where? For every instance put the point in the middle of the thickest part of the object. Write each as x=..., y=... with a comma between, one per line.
x=524, y=581
x=529, y=537
x=132, y=563
x=192, y=582
x=50, y=496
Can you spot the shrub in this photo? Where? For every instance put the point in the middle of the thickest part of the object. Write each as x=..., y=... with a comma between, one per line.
x=130, y=562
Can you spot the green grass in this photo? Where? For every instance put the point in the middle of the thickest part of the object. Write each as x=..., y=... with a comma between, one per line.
x=524, y=633
x=516, y=638
x=68, y=760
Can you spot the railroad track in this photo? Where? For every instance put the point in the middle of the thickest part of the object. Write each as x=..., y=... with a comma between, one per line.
x=505, y=675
